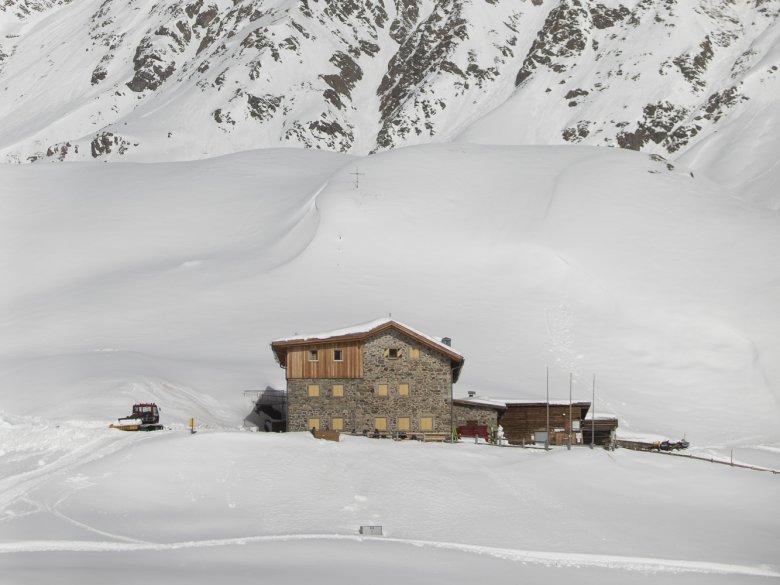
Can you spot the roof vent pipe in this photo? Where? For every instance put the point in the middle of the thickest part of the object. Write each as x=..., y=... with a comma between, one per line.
x=446, y=341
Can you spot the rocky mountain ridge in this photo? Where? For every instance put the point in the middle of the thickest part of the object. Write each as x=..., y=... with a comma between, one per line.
x=179, y=79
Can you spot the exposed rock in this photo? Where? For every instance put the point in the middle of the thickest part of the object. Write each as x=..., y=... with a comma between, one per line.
x=193, y=9
x=604, y=17
x=106, y=142
x=574, y=94
x=204, y=18
x=658, y=121
x=425, y=50
x=715, y=108
x=263, y=107
x=150, y=69
x=563, y=36
x=693, y=67
x=408, y=14
x=577, y=133
x=342, y=84
x=61, y=150
x=98, y=74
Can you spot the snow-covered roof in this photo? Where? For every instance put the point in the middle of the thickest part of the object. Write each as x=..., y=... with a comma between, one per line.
x=513, y=401
x=506, y=402
x=481, y=401
x=600, y=416
x=362, y=329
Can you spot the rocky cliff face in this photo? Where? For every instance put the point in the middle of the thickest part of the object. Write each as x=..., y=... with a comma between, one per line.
x=176, y=79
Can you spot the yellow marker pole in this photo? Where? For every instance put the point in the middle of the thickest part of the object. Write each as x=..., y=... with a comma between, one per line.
x=192, y=426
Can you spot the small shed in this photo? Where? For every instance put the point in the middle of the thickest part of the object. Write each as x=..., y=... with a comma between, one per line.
x=602, y=428
x=526, y=422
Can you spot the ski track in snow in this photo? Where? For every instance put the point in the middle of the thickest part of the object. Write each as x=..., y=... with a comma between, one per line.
x=20, y=486
x=546, y=558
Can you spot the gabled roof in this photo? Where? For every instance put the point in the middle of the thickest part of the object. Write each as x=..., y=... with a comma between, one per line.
x=364, y=331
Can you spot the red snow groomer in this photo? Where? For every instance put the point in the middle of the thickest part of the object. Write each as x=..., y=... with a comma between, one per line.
x=145, y=417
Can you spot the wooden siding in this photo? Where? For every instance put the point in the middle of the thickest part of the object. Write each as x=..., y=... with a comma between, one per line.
x=521, y=421
x=300, y=367
x=283, y=348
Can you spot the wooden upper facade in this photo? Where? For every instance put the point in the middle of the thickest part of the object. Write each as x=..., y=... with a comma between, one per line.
x=340, y=355
x=325, y=360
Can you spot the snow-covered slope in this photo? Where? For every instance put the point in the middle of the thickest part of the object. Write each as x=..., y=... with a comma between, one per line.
x=176, y=508
x=177, y=80
x=169, y=281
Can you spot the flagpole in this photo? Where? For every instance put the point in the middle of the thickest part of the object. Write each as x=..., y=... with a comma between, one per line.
x=593, y=414
x=547, y=440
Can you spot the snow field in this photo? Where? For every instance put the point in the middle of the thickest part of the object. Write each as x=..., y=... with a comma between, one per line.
x=281, y=496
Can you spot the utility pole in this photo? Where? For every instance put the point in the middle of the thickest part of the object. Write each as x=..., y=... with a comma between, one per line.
x=570, y=411
x=593, y=414
x=357, y=174
x=547, y=439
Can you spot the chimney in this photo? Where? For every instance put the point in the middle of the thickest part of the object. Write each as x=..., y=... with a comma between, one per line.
x=446, y=341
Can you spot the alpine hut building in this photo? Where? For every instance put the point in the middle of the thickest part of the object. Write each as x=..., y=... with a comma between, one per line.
x=381, y=377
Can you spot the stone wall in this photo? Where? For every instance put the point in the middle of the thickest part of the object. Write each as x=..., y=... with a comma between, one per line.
x=428, y=378
x=483, y=415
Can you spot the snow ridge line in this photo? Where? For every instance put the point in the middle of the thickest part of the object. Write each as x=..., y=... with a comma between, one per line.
x=550, y=559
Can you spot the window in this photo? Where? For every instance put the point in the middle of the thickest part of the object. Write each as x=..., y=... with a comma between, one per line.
x=314, y=424
x=381, y=390
x=314, y=390
x=403, y=423
x=393, y=353
x=426, y=423
x=403, y=389
x=337, y=423
x=414, y=353
x=314, y=355
x=380, y=423
x=338, y=389
x=338, y=355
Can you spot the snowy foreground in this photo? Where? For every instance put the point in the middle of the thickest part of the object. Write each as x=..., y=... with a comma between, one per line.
x=83, y=505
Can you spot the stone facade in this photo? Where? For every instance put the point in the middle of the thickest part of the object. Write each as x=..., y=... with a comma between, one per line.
x=429, y=378
x=482, y=415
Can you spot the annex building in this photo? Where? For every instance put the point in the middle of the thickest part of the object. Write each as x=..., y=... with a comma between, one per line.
x=379, y=377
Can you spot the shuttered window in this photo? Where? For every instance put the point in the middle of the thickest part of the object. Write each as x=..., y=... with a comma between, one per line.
x=380, y=423
x=338, y=390
x=314, y=423
x=403, y=423
x=314, y=390
x=426, y=423
x=403, y=389
x=414, y=353
x=381, y=390
x=337, y=423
